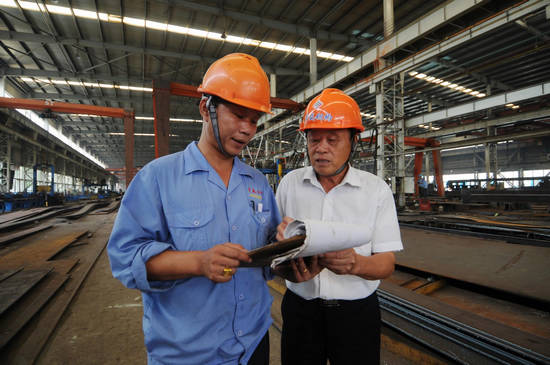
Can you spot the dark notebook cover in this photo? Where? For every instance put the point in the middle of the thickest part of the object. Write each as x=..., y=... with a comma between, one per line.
x=264, y=255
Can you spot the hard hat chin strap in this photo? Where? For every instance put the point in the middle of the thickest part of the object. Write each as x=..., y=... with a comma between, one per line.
x=210, y=105
x=339, y=170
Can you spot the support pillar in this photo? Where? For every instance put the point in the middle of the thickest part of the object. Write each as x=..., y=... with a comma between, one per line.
x=418, y=157
x=4, y=182
x=281, y=141
x=8, y=166
x=129, y=146
x=399, y=121
x=520, y=176
x=3, y=86
x=491, y=158
x=388, y=18
x=380, y=126
x=380, y=139
x=427, y=166
x=161, y=112
x=313, y=60
x=273, y=85
x=438, y=170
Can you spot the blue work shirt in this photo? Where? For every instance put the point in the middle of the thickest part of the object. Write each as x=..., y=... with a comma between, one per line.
x=179, y=202
x=422, y=183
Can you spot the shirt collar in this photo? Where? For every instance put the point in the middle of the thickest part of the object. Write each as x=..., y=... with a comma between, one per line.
x=195, y=161
x=241, y=167
x=351, y=178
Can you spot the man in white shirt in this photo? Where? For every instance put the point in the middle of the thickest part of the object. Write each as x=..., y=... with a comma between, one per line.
x=330, y=310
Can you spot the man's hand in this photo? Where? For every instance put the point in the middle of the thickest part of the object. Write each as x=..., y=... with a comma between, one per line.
x=302, y=271
x=299, y=270
x=281, y=228
x=339, y=262
x=220, y=263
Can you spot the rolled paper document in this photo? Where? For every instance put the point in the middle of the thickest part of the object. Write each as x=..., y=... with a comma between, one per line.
x=322, y=236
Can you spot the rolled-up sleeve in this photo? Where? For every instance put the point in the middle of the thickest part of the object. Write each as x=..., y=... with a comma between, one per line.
x=139, y=233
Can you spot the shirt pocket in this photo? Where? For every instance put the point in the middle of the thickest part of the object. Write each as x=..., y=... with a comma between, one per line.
x=190, y=229
x=261, y=221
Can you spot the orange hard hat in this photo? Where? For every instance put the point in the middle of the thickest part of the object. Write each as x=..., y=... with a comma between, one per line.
x=332, y=109
x=239, y=79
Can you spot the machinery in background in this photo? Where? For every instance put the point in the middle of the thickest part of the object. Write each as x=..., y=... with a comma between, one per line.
x=275, y=172
x=45, y=194
x=526, y=192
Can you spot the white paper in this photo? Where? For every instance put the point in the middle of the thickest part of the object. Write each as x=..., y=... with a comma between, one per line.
x=323, y=237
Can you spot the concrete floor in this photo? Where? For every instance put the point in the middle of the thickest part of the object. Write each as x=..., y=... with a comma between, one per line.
x=102, y=325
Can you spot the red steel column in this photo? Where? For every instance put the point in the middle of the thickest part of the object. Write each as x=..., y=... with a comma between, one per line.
x=438, y=172
x=129, y=145
x=161, y=112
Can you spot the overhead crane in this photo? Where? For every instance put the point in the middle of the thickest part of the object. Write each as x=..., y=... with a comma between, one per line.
x=61, y=107
x=420, y=143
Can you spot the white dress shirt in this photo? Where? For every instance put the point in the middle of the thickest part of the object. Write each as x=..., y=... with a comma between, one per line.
x=361, y=198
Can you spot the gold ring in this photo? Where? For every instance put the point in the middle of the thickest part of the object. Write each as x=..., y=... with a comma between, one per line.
x=305, y=270
x=227, y=271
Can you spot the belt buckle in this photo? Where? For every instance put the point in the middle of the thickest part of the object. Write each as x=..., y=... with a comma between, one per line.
x=330, y=303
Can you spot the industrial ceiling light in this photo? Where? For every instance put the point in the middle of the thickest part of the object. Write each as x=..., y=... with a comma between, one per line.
x=368, y=115
x=149, y=24
x=86, y=84
x=446, y=84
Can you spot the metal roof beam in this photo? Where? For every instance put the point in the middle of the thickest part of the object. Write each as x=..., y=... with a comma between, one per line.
x=428, y=99
x=482, y=104
x=441, y=15
x=7, y=35
x=475, y=75
x=419, y=28
x=468, y=34
x=481, y=140
x=301, y=30
x=533, y=30
x=483, y=124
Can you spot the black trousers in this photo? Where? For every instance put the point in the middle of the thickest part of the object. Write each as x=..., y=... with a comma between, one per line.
x=343, y=331
x=261, y=354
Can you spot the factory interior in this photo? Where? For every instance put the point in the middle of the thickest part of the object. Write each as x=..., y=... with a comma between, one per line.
x=455, y=100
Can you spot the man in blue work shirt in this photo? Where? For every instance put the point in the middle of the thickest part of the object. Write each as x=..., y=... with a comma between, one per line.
x=186, y=222
x=422, y=186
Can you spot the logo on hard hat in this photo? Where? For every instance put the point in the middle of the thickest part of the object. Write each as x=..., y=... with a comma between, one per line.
x=321, y=116
x=318, y=104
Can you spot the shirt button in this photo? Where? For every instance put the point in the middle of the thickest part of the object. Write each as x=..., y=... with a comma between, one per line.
x=196, y=222
x=262, y=219
x=229, y=197
x=234, y=228
x=241, y=297
x=240, y=333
